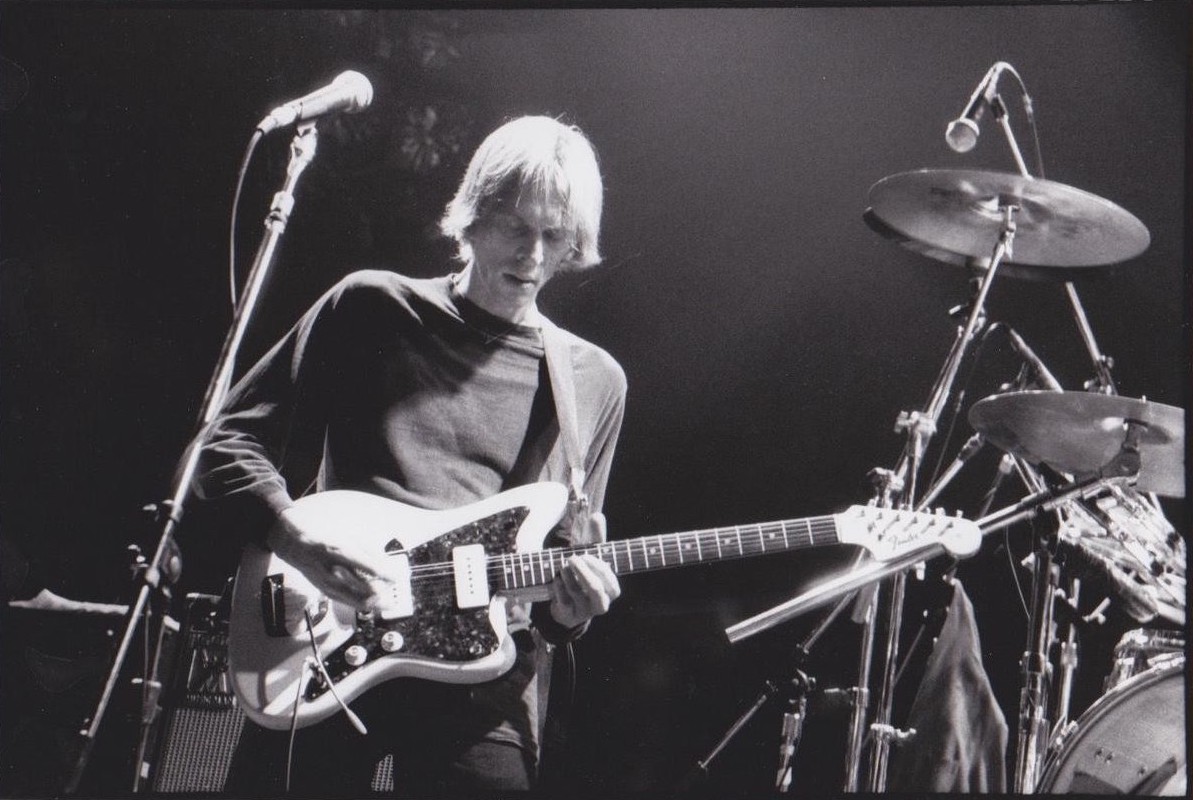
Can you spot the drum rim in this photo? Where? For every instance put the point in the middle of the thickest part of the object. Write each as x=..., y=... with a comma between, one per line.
x=1065, y=743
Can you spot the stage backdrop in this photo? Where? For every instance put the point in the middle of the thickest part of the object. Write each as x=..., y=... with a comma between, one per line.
x=770, y=337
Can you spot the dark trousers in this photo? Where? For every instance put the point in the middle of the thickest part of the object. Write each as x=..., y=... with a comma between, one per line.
x=437, y=734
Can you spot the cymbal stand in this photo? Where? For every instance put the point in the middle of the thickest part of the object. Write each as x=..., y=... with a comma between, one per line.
x=1033, y=725
x=901, y=483
x=163, y=569
x=1034, y=665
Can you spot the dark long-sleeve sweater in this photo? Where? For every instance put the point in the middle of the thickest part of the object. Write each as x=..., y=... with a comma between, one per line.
x=403, y=388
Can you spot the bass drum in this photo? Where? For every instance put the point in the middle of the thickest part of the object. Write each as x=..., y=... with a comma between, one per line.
x=1130, y=741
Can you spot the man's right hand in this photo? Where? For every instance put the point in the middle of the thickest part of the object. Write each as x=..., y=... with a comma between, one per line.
x=332, y=565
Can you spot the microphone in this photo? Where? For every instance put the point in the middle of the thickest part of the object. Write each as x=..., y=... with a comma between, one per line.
x=349, y=92
x=962, y=133
x=1028, y=355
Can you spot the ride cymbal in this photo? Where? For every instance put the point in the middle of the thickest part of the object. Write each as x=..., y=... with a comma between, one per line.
x=956, y=216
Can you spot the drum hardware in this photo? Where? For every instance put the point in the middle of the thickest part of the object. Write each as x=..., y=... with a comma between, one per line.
x=1069, y=655
x=1140, y=650
x=1052, y=226
x=1114, y=474
x=1135, y=444
x=899, y=485
x=957, y=214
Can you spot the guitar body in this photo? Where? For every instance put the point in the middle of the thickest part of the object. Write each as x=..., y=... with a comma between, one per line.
x=269, y=640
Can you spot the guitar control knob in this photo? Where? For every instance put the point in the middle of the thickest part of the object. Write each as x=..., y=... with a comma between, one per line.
x=392, y=641
x=356, y=655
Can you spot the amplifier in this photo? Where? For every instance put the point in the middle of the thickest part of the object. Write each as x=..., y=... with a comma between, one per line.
x=202, y=723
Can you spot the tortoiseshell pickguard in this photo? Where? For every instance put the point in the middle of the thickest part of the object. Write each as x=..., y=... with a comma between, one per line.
x=438, y=629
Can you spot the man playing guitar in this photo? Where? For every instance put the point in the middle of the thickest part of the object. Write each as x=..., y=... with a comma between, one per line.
x=433, y=393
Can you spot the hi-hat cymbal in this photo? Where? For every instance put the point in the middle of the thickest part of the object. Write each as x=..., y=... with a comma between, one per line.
x=1081, y=432
x=958, y=213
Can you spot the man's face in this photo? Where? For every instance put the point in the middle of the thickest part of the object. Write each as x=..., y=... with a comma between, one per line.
x=517, y=246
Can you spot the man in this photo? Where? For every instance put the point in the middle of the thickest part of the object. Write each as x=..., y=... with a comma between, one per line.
x=433, y=392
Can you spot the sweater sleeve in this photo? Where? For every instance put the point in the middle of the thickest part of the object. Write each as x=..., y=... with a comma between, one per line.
x=265, y=446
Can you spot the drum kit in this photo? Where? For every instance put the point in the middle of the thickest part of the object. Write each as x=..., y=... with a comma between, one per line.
x=1093, y=463
x=1093, y=458
x=1117, y=453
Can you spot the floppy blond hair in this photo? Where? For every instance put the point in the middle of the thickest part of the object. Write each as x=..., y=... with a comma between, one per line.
x=540, y=158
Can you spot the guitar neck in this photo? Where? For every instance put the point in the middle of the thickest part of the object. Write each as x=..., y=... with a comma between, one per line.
x=514, y=571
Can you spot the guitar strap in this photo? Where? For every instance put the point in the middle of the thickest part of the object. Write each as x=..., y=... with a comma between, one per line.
x=553, y=730
x=563, y=389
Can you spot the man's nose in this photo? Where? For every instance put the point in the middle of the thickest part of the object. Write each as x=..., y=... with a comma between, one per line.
x=536, y=250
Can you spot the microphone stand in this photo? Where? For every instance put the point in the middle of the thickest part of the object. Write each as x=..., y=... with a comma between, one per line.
x=163, y=569
x=1035, y=666
x=793, y=719
x=1103, y=381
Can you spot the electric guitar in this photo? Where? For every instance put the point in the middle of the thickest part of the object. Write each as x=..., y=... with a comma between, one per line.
x=296, y=657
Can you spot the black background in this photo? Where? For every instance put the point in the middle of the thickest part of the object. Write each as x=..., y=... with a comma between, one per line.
x=769, y=336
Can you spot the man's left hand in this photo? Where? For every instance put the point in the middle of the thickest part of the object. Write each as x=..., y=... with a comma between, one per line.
x=586, y=586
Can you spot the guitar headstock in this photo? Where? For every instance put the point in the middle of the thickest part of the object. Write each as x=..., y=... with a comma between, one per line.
x=889, y=533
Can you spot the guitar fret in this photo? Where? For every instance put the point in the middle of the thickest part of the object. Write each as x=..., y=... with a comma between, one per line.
x=523, y=570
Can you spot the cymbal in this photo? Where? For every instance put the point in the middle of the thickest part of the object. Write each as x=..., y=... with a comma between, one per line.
x=955, y=215
x=976, y=266
x=1081, y=432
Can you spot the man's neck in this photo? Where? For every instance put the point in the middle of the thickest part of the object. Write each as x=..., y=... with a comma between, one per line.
x=528, y=315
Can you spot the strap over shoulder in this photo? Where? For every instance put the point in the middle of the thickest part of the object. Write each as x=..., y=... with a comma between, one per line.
x=563, y=388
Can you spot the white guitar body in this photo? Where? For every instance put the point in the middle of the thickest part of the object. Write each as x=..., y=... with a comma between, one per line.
x=268, y=670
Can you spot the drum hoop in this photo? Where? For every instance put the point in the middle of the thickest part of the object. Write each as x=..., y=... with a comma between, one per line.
x=1065, y=743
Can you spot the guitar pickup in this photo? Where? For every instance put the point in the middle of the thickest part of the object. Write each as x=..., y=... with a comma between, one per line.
x=395, y=598
x=469, y=564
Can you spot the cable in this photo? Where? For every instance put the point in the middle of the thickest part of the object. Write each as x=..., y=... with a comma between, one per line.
x=244, y=166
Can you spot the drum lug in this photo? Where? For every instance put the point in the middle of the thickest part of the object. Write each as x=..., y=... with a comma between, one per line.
x=1060, y=736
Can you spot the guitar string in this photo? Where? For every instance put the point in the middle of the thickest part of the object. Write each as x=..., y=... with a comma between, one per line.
x=662, y=547
x=671, y=546
x=499, y=566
